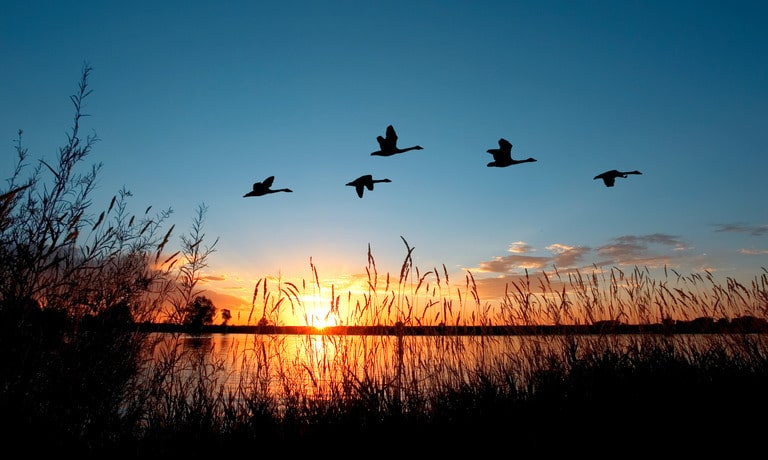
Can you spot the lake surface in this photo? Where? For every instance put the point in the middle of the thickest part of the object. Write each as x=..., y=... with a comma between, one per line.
x=327, y=365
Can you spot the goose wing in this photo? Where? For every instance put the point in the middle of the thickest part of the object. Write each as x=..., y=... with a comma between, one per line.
x=608, y=177
x=505, y=146
x=503, y=154
x=360, y=183
x=388, y=143
x=391, y=135
x=365, y=181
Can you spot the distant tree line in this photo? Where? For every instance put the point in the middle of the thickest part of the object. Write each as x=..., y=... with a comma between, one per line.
x=742, y=324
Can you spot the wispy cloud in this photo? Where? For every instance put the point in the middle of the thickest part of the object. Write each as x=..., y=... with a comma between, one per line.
x=754, y=230
x=509, y=264
x=653, y=250
x=214, y=278
x=649, y=250
x=519, y=259
x=520, y=247
x=568, y=256
x=562, y=255
x=754, y=252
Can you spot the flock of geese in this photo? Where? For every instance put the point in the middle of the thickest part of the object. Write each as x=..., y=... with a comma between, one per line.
x=502, y=157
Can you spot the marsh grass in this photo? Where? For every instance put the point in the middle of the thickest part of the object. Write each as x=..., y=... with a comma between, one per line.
x=577, y=297
x=444, y=393
x=79, y=377
x=487, y=392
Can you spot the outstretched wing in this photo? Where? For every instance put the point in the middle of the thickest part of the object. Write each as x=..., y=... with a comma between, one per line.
x=608, y=177
x=503, y=154
x=505, y=145
x=268, y=181
x=391, y=135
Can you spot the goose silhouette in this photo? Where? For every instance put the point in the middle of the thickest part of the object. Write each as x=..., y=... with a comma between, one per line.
x=263, y=188
x=502, y=156
x=363, y=182
x=388, y=145
x=609, y=177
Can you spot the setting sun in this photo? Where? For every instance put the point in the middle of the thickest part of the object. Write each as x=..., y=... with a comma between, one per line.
x=321, y=321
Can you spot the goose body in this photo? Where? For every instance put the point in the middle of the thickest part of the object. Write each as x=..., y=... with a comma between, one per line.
x=365, y=182
x=502, y=156
x=609, y=177
x=264, y=188
x=388, y=145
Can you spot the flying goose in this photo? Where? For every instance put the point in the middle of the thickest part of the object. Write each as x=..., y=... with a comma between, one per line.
x=609, y=177
x=263, y=188
x=502, y=156
x=364, y=182
x=388, y=145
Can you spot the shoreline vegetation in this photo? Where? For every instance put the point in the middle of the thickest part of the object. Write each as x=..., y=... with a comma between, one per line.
x=740, y=325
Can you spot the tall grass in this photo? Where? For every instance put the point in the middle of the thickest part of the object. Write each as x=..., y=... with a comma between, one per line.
x=300, y=392
x=578, y=297
x=484, y=391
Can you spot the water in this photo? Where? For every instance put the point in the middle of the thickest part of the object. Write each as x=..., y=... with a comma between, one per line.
x=326, y=366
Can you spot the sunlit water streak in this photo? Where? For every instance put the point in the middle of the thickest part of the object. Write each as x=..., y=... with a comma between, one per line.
x=328, y=366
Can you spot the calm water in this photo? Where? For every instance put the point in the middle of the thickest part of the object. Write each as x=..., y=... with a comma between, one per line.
x=324, y=366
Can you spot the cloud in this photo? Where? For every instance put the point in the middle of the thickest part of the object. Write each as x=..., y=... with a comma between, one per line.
x=754, y=252
x=520, y=247
x=654, y=238
x=639, y=250
x=508, y=264
x=562, y=256
x=568, y=256
x=213, y=278
x=652, y=250
x=754, y=230
x=222, y=300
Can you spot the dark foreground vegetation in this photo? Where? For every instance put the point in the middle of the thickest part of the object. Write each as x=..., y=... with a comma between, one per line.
x=84, y=373
x=95, y=394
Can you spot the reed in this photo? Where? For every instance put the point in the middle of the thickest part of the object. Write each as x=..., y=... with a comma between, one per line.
x=491, y=389
x=578, y=297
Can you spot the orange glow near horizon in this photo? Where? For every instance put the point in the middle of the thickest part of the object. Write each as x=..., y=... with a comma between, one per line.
x=344, y=300
x=288, y=301
x=359, y=300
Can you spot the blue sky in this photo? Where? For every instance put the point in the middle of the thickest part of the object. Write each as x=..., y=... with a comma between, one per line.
x=195, y=101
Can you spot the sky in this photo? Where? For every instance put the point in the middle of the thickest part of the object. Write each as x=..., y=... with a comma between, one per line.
x=193, y=102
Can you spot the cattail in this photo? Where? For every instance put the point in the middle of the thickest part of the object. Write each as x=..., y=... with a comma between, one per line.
x=72, y=236
x=101, y=217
